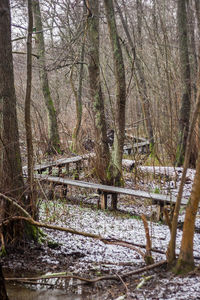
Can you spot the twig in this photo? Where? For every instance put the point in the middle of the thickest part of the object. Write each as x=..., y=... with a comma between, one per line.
x=24, y=53
x=124, y=284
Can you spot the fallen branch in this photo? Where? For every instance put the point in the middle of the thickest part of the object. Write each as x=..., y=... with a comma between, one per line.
x=92, y=280
x=72, y=231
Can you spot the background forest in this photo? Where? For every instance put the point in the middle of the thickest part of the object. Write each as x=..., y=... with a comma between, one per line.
x=153, y=62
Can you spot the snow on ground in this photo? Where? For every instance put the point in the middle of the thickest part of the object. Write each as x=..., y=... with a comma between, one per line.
x=108, y=225
x=174, y=177
x=96, y=258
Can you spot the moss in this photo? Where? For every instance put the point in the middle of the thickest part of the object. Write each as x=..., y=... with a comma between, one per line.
x=179, y=156
x=182, y=267
x=53, y=245
x=32, y=232
x=3, y=251
x=149, y=260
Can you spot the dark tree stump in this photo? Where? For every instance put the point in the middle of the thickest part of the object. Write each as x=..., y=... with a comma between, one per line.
x=3, y=294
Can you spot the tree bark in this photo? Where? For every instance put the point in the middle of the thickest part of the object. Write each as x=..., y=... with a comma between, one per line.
x=139, y=72
x=11, y=177
x=185, y=261
x=28, y=125
x=54, y=140
x=171, y=255
x=116, y=168
x=101, y=142
x=186, y=82
x=78, y=98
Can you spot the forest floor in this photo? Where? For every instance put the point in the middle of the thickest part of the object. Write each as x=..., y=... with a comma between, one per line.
x=89, y=258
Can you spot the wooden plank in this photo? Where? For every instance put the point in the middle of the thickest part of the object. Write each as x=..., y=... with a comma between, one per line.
x=139, y=139
x=110, y=189
x=136, y=145
x=104, y=200
x=60, y=162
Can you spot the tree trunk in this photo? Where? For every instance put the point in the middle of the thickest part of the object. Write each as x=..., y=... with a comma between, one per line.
x=78, y=94
x=11, y=178
x=29, y=142
x=186, y=82
x=185, y=261
x=3, y=294
x=54, y=140
x=194, y=72
x=171, y=256
x=142, y=84
x=78, y=98
x=142, y=88
x=101, y=142
x=116, y=169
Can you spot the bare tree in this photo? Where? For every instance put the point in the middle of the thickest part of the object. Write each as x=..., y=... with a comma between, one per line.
x=11, y=177
x=29, y=140
x=119, y=74
x=101, y=148
x=186, y=81
x=54, y=140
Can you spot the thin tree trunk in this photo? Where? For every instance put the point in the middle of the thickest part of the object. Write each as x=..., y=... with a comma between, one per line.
x=78, y=96
x=171, y=255
x=101, y=145
x=185, y=261
x=54, y=140
x=142, y=88
x=194, y=72
x=186, y=82
x=28, y=112
x=120, y=93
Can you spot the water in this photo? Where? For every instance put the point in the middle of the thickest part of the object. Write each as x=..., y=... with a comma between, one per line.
x=19, y=292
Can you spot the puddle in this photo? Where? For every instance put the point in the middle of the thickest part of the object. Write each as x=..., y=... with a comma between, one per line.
x=47, y=289
x=17, y=292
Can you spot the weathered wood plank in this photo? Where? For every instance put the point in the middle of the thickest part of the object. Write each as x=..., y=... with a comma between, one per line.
x=110, y=189
x=58, y=163
x=137, y=145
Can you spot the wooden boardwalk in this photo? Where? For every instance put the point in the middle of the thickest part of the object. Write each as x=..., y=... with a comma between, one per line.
x=59, y=163
x=136, y=144
x=142, y=147
x=105, y=190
